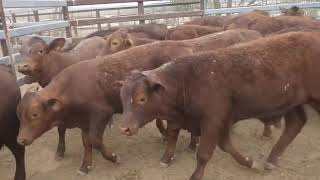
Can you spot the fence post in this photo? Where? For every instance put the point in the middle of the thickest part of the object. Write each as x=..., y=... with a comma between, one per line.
x=202, y=7
x=141, y=10
x=3, y=42
x=98, y=16
x=6, y=42
x=36, y=18
x=66, y=17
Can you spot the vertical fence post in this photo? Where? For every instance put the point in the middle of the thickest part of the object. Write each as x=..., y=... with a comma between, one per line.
x=3, y=43
x=36, y=18
x=98, y=16
x=66, y=17
x=202, y=7
x=141, y=10
x=7, y=40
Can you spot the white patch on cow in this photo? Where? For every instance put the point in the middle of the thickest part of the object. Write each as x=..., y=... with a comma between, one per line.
x=286, y=87
x=131, y=101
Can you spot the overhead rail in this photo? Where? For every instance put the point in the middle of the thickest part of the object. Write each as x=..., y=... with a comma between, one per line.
x=273, y=7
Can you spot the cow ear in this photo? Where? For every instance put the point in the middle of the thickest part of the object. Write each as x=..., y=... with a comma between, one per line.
x=128, y=43
x=155, y=84
x=54, y=104
x=283, y=10
x=57, y=44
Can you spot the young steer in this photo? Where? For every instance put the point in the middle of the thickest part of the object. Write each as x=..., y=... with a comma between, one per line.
x=41, y=62
x=184, y=32
x=9, y=128
x=83, y=95
x=209, y=92
x=122, y=40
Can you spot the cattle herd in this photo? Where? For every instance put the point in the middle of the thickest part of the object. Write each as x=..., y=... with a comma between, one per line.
x=203, y=77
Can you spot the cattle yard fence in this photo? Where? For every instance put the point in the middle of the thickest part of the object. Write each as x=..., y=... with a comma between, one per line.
x=66, y=12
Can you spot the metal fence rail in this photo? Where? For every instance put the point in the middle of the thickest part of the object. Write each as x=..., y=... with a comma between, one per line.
x=273, y=7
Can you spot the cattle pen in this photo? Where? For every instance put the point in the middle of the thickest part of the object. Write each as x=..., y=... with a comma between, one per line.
x=73, y=20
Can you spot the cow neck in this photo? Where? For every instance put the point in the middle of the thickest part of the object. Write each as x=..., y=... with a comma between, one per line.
x=56, y=62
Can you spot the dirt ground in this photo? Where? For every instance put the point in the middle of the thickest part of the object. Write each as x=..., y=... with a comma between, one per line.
x=139, y=156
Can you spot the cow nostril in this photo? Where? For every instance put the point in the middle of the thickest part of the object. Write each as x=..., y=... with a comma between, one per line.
x=21, y=141
x=125, y=130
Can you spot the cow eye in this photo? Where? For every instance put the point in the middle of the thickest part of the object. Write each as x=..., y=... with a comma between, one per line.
x=41, y=52
x=142, y=100
x=114, y=43
x=34, y=115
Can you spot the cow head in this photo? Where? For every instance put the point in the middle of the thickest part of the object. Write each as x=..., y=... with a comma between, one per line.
x=37, y=115
x=118, y=41
x=33, y=53
x=141, y=96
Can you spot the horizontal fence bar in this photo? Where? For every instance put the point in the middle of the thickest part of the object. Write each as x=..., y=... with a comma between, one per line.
x=33, y=3
x=21, y=31
x=103, y=8
x=92, y=2
x=273, y=7
x=92, y=21
x=6, y=59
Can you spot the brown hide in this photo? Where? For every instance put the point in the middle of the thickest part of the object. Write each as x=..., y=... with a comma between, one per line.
x=190, y=32
x=210, y=91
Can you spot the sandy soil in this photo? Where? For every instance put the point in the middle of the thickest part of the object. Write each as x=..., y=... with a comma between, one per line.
x=139, y=156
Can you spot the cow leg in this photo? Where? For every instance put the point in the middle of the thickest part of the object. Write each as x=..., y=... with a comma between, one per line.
x=62, y=143
x=171, y=146
x=268, y=122
x=208, y=141
x=194, y=140
x=87, y=158
x=97, y=127
x=226, y=145
x=294, y=122
x=162, y=130
x=18, y=152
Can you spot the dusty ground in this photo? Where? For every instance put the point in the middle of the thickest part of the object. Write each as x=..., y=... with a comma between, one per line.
x=140, y=156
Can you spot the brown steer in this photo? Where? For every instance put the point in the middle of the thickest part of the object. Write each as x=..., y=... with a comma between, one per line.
x=184, y=32
x=121, y=40
x=41, y=62
x=209, y=92
x=215, y=21
x=9, y=128
x=84, y=94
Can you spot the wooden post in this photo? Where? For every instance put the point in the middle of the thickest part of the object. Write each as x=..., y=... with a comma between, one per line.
x=202, y=7
x=98, y=16
x=6, y=43
x=66, y=17
x=141, y=10
x=14, y=20
x=36, y=18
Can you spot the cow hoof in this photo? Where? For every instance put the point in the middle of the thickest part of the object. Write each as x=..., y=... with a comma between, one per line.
x=115, y=158
x=269, y=166
x=256, y=165
x=163, y=164
x=266, y=138
x=82, y=172
x=59, y=157
x=191, y=149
